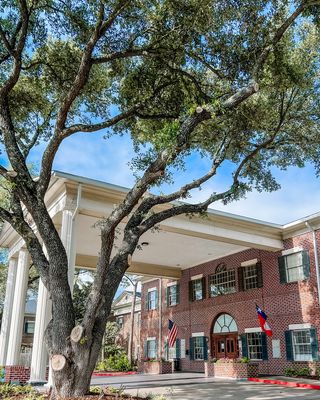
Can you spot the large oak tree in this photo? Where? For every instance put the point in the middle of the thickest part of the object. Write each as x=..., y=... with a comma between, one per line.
x=236, y=81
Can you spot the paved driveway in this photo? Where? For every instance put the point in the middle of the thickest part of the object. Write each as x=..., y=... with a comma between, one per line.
x=184, y=386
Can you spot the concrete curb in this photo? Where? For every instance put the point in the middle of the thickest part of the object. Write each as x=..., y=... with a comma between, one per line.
x=285, y=383
x=114, y=373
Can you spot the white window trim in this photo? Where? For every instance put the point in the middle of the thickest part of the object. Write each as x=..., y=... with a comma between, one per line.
x=292, y=251
x=172, y=283
x=197, y=334
x=153, y=289
x=295, y=327
x=252, y=330
x=196, y=277
x=151, y=338
x=249, y=262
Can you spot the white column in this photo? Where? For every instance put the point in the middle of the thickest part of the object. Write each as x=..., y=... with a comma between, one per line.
x=39, y=360
x=7, y=310
x=19, y=303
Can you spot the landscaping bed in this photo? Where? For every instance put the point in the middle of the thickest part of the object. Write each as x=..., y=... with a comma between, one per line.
x=15, y=392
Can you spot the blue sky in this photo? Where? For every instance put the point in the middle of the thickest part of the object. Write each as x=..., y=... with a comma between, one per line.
x=92, y=156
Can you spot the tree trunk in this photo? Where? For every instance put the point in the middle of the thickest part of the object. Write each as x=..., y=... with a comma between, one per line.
x=133, y=306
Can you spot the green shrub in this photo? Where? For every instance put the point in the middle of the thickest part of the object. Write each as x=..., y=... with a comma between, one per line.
x=2, y=374
x=290, y=372
x=303, y=371
x=117, y=362
x=7, y=390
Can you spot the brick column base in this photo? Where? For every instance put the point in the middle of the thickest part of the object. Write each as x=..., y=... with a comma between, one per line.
x=19, y=374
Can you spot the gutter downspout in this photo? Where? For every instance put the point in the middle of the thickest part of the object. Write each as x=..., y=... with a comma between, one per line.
x=160, y=318
x=316, y=257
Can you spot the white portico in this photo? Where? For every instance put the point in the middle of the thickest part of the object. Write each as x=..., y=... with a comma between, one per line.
x=75, y=205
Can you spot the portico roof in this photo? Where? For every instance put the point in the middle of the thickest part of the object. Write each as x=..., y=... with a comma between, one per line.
x=180, y=242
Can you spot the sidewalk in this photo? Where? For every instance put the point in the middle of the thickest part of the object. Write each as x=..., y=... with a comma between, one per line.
x=288, y=381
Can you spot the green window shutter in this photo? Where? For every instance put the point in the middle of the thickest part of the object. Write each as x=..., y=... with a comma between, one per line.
x=282, y=269
x=156, y=299
x=264, y=346
x=191, y=298
x=314, y=344
x=156, y=348
x=178, y=293
x=178, y=348
x=191, y=353
x=203, y=284
x=306, y=264
x=259, y=274
x=244, y=345
x=205, y=348
x=240, y=279
x=289, y=348
x=167, y=296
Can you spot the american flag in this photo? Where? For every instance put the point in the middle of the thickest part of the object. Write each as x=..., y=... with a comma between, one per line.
x=173, y=331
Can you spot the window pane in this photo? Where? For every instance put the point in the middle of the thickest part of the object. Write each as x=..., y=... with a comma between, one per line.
x=197, y=289
x=172, y=293
x=301, y=341
x=250, y=277
x=198, y=348
x=254, y=345
x=222, y=282
x=152, y=300
x=151, y=349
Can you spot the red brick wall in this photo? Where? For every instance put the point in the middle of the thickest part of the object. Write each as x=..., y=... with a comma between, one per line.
x=18, y=373
x=291, y=303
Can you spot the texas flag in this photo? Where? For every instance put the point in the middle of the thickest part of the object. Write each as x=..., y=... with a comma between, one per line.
x=263, y=321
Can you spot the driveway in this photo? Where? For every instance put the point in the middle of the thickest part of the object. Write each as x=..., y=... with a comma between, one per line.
x=184, y=386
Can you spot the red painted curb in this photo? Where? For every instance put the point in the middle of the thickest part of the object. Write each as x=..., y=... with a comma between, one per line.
x=285, y=383
x=114, y=373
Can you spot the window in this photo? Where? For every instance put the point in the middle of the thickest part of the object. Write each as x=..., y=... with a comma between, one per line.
x=302, y=345
x=119, y=321
x=29, y=327
x=198, y=348
x=225, y=323
x=172, y=295
x=174, y=352
x=250, y=277
x=294, y=267
x=254, y=346
x=197, y=289
x=152, y=300
x=222, y=281
x=151, y=349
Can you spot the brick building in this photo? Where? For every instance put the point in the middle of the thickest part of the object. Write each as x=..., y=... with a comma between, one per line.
x=211, y=271
x=213, y=306
x=121, y=313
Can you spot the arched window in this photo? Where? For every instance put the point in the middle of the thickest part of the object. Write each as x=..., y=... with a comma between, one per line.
x=223, y=281
x=225, y=324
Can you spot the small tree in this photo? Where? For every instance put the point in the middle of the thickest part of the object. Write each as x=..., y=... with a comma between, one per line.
x=131, y=281
x=235, y=81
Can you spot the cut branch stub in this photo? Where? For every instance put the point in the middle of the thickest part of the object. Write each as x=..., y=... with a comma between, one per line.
x=58, y=362
x=76, y=333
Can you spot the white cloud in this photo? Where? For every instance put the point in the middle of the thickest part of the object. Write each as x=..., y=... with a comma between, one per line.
x=107, y=160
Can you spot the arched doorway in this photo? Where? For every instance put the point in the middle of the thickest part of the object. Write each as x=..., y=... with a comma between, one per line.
x=224, y=339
